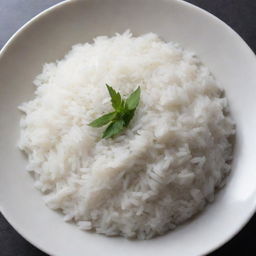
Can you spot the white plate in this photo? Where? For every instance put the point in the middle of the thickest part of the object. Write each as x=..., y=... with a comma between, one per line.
x=48, y=37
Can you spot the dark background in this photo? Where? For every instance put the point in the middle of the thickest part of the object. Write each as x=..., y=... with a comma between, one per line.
x=239, y=14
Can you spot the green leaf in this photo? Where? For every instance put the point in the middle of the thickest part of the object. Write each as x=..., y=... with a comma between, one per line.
x=113, y=129
x=103, y=120
x=122, y=106
x=128, y=117
x=115, y=97
x=123, y=114
x=133, y=100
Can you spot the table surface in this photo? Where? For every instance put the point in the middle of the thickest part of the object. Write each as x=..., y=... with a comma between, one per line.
x=239, y=14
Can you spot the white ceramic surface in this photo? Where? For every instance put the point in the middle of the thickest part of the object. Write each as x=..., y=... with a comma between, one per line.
x=48, y=37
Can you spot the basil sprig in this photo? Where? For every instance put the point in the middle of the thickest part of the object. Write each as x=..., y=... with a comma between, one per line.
x=123, y=113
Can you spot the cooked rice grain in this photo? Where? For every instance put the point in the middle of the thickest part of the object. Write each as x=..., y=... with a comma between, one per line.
x=160, y=171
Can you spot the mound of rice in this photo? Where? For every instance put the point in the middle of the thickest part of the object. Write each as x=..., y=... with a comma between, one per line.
x=161, y=170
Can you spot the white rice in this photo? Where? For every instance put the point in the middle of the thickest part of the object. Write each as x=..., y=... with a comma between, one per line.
x=161, y=170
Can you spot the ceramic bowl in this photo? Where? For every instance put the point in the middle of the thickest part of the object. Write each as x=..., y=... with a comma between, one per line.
x=48, y=37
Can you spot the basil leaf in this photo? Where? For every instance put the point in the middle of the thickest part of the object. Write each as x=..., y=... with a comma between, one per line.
x=113, y=129
x=115, y=97
x=133, y=100
x=128, y=117
x=121, y=117
x=103, y=120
